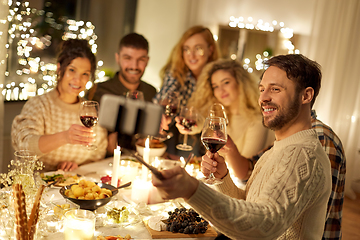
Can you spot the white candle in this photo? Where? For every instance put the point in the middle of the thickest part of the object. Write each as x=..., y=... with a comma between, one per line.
x=78, y=225
x=146, y=157
x=115, y=174
x=140, y=191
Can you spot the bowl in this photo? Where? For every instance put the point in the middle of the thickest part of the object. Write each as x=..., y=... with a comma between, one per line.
x=157, y=149
x=90, y=204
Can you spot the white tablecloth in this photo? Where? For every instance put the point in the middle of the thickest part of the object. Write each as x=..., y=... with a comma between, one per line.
x=97, y=170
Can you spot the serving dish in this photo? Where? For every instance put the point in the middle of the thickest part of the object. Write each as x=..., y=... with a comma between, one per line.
x=90, y=204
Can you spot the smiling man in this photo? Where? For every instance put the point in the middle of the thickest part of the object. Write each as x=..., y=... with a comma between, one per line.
x=287, y=194
x=132, y=58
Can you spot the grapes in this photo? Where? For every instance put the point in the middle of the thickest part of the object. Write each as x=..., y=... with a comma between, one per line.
x=186, y=221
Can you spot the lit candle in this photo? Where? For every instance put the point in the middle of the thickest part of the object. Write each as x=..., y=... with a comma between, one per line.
x=115, y=174
x=146, y=156
x=140, y=191
x=79, y=225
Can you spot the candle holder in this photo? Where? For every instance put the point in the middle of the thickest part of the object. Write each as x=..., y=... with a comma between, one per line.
x=79, y=224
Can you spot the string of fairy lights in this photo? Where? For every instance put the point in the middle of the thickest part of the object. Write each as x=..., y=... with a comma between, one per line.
x=34, y=73
x=260, y=25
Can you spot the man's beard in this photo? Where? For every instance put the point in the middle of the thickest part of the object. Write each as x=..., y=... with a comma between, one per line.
x=126, y=79
x=283, y=117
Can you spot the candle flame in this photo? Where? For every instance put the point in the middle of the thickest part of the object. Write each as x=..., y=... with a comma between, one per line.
x=147, y=143
x=118, y=148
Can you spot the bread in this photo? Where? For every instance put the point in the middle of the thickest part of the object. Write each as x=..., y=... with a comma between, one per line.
x=34, y=216
x=20, y=213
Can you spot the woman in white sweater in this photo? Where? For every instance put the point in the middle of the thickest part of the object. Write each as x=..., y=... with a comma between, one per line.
x=227, y=82
x=50, y=124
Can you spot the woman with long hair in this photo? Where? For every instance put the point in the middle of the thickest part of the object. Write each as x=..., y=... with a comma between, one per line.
x=228, y=83
x=193, y=51
x=50, y=125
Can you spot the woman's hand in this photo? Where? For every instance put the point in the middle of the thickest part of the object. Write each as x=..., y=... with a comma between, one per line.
x=213, y=163
x=78, y=134
x=194, y=130
x=67, y=166
x=180, y=127
x=164, y=124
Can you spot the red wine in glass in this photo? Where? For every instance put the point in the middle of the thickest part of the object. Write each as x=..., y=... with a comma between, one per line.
x=213, y=144
x=89, y=121
x=89, y=117
x=213, y=137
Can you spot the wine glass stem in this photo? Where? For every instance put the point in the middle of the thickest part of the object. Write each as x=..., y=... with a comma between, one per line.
x=185, y=139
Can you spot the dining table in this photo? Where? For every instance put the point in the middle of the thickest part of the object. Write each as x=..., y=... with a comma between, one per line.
x=137, y=229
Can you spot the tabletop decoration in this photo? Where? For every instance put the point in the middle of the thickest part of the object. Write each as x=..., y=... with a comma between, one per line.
x=25, y=228
x=79, y=224
x=140, y=190
x=21, y=171
x=146, y=157
x=115, y=172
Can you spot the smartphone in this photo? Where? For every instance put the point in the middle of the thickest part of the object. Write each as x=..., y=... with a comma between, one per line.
x=129, y=116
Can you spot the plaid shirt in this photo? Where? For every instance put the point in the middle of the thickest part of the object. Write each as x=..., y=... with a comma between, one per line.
x=334, y=149
x=173, y=85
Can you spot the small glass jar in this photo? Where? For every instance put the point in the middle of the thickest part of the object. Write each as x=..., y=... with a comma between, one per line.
x=79, y=224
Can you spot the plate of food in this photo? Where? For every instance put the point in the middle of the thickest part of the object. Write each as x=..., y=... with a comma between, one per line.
x=60, y=178
x=120, y=213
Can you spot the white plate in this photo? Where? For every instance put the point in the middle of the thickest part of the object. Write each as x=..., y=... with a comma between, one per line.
x=68, y=175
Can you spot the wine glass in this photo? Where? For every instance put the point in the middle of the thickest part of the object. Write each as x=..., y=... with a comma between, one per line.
x=89, y=117
x=214, y=137
x=170, y=103
x=218, y=110
x=135, y=94
x=188, y=119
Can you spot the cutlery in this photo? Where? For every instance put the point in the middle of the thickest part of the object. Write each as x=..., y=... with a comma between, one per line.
x=139, y=158
x=122, y=186
x=53, y=183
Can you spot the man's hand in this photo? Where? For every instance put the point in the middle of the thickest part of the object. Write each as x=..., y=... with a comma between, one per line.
x=213, y=163
x=177, y=184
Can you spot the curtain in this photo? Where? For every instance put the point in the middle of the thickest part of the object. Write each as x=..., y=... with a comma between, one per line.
x=4, y=11
x=335, y=45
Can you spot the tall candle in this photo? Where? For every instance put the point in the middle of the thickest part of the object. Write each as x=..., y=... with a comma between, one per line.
x=146, y=156
x=115, y=173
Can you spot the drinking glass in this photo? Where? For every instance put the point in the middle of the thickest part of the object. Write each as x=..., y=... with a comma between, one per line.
x=89, y=111
x=170, y=103
x=188, y=118
x=135, y=94
x=218, y=110
x=213, y=137
x=24, y=167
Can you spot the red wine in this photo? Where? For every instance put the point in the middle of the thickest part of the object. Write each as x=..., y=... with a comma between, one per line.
x=213, y=144
x=187, y=123
x=88, y=121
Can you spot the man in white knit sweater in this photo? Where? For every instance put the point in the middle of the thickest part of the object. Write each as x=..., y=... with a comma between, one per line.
x=287, y=193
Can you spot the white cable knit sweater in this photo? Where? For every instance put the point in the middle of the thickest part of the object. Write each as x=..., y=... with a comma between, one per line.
x=285, y=197
x=48, y=114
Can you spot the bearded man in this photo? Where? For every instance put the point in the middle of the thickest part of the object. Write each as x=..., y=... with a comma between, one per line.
x=287, y=193
x=132, y=58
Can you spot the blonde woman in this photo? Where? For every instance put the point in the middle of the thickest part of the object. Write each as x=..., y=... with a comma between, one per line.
x=194, y=50
x=228, y=83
